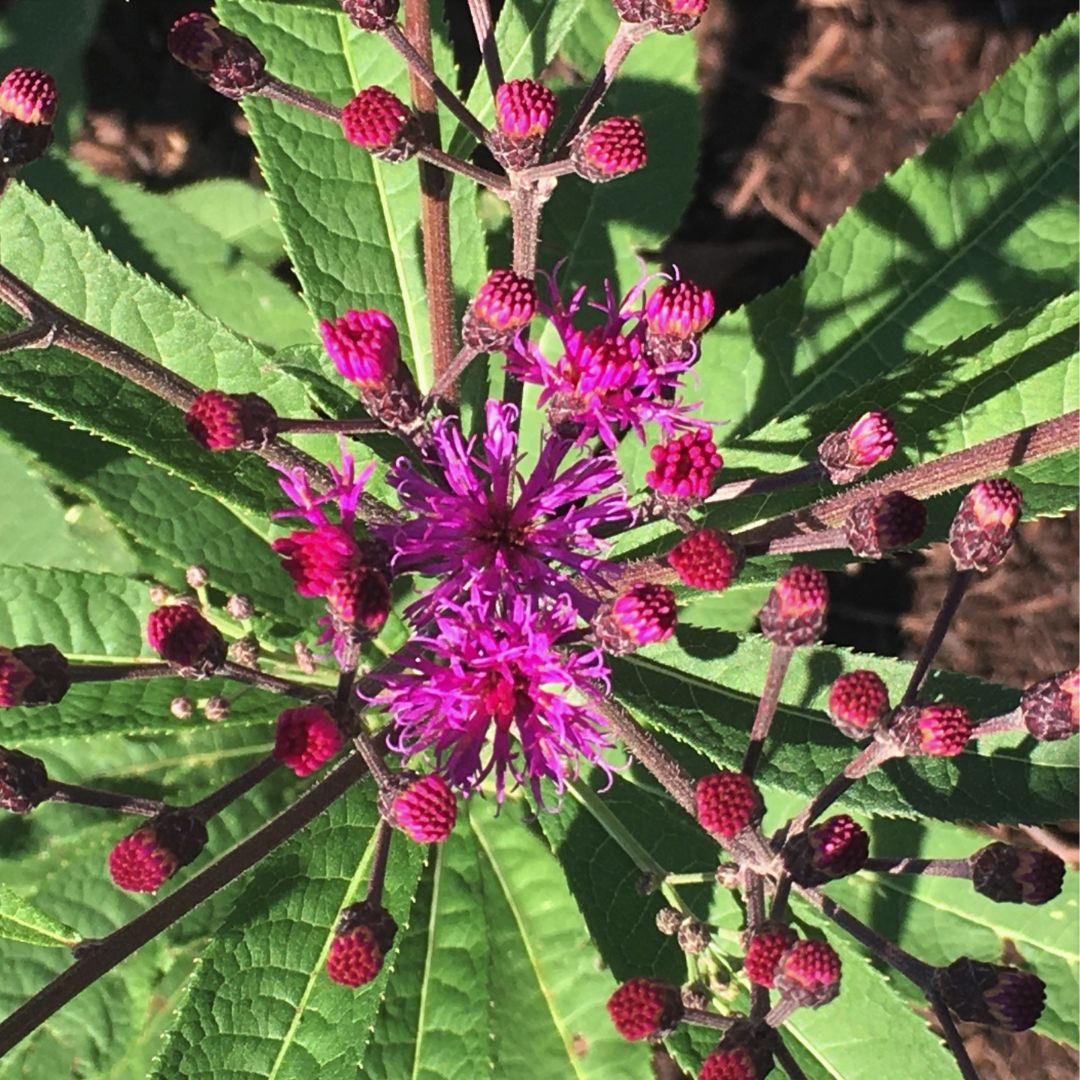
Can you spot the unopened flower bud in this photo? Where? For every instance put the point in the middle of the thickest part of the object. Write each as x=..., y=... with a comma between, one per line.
x=364, y=346
x=707, y=559
x=727, y=803
x=245, y=651
x=229, y=62
x=181, y=708
x=934, y=730
x=668, y=921
x=807, y=977
x=676, y=315
x=24, y=783
x=763, y=952
x=180, y=634
x=990, y=994
x=240, y=607
x=667, y=16
x=216, y=709
x=684, y=468
x=875, y=526
x=858, y=703
x=502, y=307
x=645, y=1009
x=1014, y=875
x=218, y=421
x=364, y=935
x=359, y=600
x=159, y=594
x=33, y=675
x=847, y=455
x=794, y=613
x=198, y=577
x=1051, y=707
x=524, y=110
x=422, y=807
x=306, y=738
x=694, y=996
x=832, y=849
x=982, y=531
x=643, y=615
x=148, y=857
x=738, y=1056
x=615, y=147
x=693, y=936
x=383, y=124
x=27, y=109
x=371, y=15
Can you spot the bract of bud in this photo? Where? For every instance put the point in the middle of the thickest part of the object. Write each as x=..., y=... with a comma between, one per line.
x=524, y=111
x=148, y=857
x=982, y=531
x=371, y=15
x=502, y=307
x=364, y=935
x=847, y=455
x=218, y=421
x=991, y=994
x=24, y=783
x=643, y=615
x=180, y=634
x=875, y=526
x=1051, y=707
x=832, y=849
x=667, y=16
x=1015, y=875
x=794, y=613
x=933, y=730
x=676, y=315
x=229, y=62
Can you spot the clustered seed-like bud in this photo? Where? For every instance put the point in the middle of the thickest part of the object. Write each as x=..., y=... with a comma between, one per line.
x=668, y=921
x=982, y=531
x=991, y=994
x=934, y=730
x=615, y=147
x=667, y=16
x=858, y=703
x=847, y=455
x=676, y=315
x=359, y=601
x=884, y=522
x=218, y=421
x=524, y=110
x=832, y=849
x=380, y=122
x=307, y=737
x=503, y=305
x=229, y=62
x=794, y=613
x=364, y=935
x=1013, y=875
x=693, y=936
x=24, y=783
x=364, y=346
x=149, y=856
x=1051, y=707
x=808, y=974
x=422, y=807
x=180, y=634
x=643, y=615
x=707, y=559
x=181, y=708
x=197, y=576
x=240, y=607
x=28, y=100
x=684, y=468
x=727, y=802
x=371, y=15
x=645, y=1009
x=735, y=1062
x=763, y=952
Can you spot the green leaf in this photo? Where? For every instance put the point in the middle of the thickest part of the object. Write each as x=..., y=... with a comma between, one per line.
x=979, y=226
x=21, y=921
x=496, y=975
x=702, y=689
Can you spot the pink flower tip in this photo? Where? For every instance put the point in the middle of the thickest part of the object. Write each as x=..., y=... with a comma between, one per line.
x=364, y=346
x=29, y=95
x=524, y=109
x=614, y=147
x=679, y=309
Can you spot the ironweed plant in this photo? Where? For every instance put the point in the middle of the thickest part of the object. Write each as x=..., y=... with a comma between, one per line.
x=459, y=678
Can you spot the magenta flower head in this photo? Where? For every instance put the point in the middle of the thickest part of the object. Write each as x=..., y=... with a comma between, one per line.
x=991, y=994
x=934, y=730
x=684, y=468
x=707, y=559
x=486, y=527
x=794, y=613
x=380, y=122
x=763, y=952
x=422, y=807
x=832, y=849
x=29, y=95
x=524, y=109
x=492, y=694
x=229, y=62
x=727, y=803
x=847, y=455
x=858, y=703
x=807, y=977
x=15, y=677
x=218, y=421
x=502, y=307
x=645, y=1009
x=643, y=615
x=307, y=737
x=982, y=531
x=615, y=147
x=364, y=346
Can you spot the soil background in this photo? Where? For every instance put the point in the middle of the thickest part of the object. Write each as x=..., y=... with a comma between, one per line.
x=807, y=103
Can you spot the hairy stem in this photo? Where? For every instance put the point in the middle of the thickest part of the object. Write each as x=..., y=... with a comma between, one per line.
x=763, y=485
x=446, y=381
x=787, y=1062
x=442, y=160
x=330, y=427
x=702, y=1018
x=779, y=661
x=273, y=683
x=378, y=866
x=279, y=90
x=1010, y=721
x=953, y=1038
x=103, y=800
x=958, y=584
x=228, y=793
x=955, y=868
x=88, y=673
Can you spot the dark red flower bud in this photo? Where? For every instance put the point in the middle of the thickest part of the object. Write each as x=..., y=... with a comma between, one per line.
x=763, y=952
x=614, y=147
x=808, y=974
x=989, y=994
x=643, y=615
x=858, y=703
x=982, y=531
x=735, y=1063
x=218, y=421
x=884, y=522
x=364, y=346
x=24, y=783
x=29, y=96
x=794, y=613
x=359, y=600
x=365, y=934
x=151, y=855
x=707, y=559
x=180, y=634
x=422, y=807
x=1051, y=707
x=684, y=468
x=833, y=849
x=727, y=802
x=1014, y=875
x=502, y=307
x=307, y=737
x=645, y=1009
x=15, y=677
x=935, y=730
x=382, y=123
x=524, y=110
x=371, y=15
x=847, y=455
x=229, y=62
